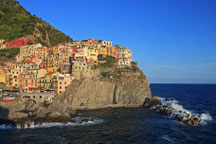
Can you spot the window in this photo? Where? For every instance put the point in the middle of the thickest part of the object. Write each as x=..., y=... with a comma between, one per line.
x=60, y=87
x=65, y=82
x=60, y=82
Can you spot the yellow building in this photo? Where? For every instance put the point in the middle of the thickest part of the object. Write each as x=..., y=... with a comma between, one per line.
x=15, y=78
x=42, y=52
x=48, y=79
x=92, y=55
x=53, y=63
x=39, y=72
x=2, y=76
x=41, y=82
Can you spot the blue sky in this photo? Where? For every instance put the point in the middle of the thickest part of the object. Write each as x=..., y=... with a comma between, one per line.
x=174, y=41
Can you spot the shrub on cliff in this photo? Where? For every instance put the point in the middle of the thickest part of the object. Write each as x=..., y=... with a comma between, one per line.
x=109, y=62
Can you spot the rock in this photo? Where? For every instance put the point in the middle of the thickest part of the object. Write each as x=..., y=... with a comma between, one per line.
x=151, y=102
x=129, y=88
x=156, y=101
x=193, y=121
x=180, y=116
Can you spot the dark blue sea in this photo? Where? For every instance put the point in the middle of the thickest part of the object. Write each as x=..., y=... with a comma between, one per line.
x=133, y=125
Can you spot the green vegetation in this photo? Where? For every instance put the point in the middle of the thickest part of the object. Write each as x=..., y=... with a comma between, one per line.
x=16, y=22
x=10, y=52
x=134, y=63
x=109, y=62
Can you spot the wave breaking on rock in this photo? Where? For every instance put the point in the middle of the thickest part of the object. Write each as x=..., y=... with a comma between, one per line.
x=172, y=108
x=31, y=124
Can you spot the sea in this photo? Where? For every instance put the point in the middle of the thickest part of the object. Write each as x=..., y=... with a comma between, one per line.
x=131, y=125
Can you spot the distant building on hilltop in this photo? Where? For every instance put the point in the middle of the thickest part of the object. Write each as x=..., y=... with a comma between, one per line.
x=18, y=42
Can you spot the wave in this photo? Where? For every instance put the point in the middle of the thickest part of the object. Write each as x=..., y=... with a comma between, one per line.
x=6, y=127
x=178, y=111
x=205, y=117
x=32, y=125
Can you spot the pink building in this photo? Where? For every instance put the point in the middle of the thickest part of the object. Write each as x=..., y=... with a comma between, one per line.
x=61, y=82
x=28, y=82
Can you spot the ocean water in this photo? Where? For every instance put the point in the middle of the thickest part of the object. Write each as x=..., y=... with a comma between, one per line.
x=131, y=125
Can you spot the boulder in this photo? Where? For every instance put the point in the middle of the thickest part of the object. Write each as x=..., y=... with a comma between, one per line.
x=151, y=102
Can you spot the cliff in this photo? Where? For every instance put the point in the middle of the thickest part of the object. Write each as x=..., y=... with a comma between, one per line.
x=115, y=89
x=107, y=87
x=126, y=88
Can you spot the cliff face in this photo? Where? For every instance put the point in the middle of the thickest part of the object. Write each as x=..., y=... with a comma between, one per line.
x=113, y=89
x=122, y=88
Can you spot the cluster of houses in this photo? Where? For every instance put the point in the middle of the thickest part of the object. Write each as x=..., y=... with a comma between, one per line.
x=39, y=68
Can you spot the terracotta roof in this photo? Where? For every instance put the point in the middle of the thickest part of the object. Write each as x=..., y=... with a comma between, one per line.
x=28, y=61
x=50, y=73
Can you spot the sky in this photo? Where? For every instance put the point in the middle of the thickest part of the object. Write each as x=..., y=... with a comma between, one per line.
x=173, y=41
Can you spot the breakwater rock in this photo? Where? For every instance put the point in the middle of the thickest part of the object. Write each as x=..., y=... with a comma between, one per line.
x=177, y=112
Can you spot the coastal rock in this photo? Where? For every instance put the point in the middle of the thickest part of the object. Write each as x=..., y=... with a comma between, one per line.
x=151, y=102
x=180, y=116
x=98, y=91
x=127, y=89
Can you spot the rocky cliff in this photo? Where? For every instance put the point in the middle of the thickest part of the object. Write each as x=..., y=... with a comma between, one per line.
x=124, y=88
x=106, y=88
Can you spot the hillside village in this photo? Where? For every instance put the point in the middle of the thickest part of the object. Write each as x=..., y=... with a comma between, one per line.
x=39, y=68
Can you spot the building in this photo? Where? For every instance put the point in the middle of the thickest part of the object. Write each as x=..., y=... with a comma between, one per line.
x=29, y=65
x=28, y=82
x=42, y=52
x=18, y=42
x=2, y=43
x=105, y=43
x=48, y=80
x=15, y=78
x=61, y=82
x=92, y=56
x=125, y=57
x=2, y=75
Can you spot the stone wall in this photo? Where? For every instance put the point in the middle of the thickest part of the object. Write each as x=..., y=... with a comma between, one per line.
x=38, y=97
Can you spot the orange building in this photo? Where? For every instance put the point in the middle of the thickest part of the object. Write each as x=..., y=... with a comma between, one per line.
x=42, y=52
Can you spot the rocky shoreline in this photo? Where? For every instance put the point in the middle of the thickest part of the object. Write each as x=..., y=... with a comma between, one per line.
x=68, y=115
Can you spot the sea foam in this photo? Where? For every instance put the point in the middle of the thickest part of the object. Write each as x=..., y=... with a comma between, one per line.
x=179, y=109
x=31, y=124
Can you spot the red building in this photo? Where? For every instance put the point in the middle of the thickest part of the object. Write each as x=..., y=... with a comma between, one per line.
x=23, y=41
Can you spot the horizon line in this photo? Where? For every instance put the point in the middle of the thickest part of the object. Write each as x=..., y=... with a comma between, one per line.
x=179, y=83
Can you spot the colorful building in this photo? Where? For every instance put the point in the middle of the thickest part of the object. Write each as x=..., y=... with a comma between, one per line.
x=23, y=41
x=2, y=76
x=28, y=82
x=92, y=56
x=61, y=82
x=48, y=82
x=42, y=52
